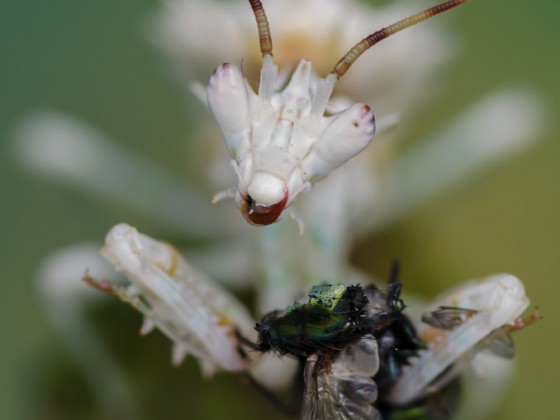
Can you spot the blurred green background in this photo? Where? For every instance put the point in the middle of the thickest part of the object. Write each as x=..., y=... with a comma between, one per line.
x=91, y=59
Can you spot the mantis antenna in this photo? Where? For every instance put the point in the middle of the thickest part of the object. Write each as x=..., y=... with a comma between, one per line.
x=365, y=44
x=361, y=47
x=265, y=39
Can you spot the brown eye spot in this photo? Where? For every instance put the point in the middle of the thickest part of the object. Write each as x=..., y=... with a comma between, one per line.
x=365, y=110
x=262, y=215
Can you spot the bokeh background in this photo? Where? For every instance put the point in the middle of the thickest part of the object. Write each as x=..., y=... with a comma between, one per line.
x=92, y=59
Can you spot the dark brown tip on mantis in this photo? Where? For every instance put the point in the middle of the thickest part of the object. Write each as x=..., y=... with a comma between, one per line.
x=263, y=27
x=361, y=47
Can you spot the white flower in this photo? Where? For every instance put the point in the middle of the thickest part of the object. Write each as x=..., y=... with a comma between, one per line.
x=64, y=300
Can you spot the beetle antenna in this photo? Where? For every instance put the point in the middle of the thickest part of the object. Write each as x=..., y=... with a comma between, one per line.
x=395, y=271
x=365, y=44
x=263, y=27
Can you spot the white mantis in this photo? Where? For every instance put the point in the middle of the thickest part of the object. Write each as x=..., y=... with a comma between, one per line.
x=281, y=140
x=495, y=305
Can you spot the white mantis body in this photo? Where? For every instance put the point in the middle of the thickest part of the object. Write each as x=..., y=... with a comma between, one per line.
x=494, y=306
x=282, y=144
x=198, y=315
x=281, y=141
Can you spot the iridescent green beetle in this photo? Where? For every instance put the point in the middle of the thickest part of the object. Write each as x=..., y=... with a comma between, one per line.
x=328, y=322
x=344, y=336
x=363, y=357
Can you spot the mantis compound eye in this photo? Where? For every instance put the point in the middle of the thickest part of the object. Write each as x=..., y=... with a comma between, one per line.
x=262, y=215
x=264, y=200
